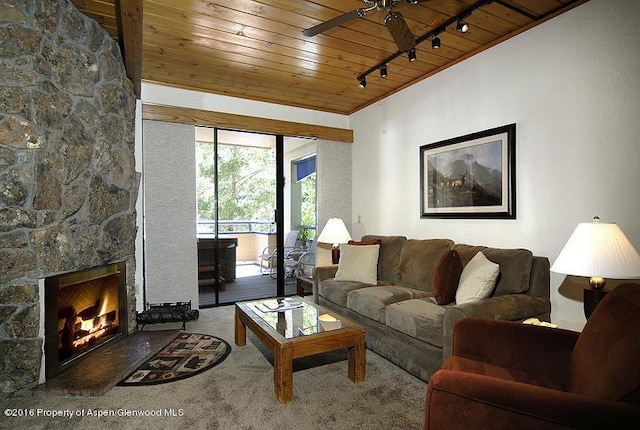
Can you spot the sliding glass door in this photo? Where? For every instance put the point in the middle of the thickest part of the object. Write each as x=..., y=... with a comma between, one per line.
x=238, y=208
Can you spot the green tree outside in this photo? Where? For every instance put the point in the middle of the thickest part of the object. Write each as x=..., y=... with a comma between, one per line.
x=246, y=187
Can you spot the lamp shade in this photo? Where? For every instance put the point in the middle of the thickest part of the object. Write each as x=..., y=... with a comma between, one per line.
x=598, y=250
x=334, y=232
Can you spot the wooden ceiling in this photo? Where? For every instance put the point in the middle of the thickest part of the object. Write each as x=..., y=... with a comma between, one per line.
x=255, y=49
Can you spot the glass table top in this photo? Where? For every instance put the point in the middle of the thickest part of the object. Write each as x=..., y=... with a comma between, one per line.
x=294, y=318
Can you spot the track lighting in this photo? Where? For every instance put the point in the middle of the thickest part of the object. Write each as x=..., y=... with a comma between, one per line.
x=457, y=20
x=462, y=26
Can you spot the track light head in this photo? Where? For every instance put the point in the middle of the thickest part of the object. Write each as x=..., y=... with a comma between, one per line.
x=462, y=26
x=435, y=42
x=412, y=54
x=363, y=83
x=383, y=71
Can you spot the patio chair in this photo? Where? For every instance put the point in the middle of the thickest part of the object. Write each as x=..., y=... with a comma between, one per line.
x=300, y=262
x=269, y=255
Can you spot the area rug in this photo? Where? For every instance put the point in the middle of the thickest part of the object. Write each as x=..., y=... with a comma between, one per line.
x=187, y=355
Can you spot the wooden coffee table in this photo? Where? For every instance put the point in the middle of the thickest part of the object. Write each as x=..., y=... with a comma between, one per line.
x=296, y=333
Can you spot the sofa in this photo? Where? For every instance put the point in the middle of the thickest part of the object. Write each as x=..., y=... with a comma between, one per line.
x=386, y=283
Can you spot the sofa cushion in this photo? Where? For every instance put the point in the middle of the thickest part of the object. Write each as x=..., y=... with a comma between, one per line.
x=373, y=301
x=447, y=277
x=389, y=255
x=365, y=242
x=478, y=279
x=336, y=291
x=418, y=261
x=515, y=266
x=358, y=264
x=419, y=318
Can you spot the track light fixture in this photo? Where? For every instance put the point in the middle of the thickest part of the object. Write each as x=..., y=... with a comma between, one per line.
x=383, y=71
x=458, y=20
x=462, y=26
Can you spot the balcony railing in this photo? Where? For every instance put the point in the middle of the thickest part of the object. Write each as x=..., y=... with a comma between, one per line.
x=253, y=236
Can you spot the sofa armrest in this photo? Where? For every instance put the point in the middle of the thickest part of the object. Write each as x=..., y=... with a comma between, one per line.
x=460, y=400
x=527, y=348
x=513, y=307
x=320, y=273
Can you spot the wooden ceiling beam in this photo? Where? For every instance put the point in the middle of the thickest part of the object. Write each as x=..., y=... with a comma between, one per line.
x=202, y=117
x=129, y=16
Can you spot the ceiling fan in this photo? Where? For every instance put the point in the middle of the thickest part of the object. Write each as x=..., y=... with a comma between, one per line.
x=394, y=21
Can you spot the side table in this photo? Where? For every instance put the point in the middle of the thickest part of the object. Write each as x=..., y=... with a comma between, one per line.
x=303, y=284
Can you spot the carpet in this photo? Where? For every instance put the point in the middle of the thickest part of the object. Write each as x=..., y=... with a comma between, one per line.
x=238, y=394
x=187, y=355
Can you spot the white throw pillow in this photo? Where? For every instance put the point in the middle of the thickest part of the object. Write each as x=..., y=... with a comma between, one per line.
x=477, y=280
x=358, y=263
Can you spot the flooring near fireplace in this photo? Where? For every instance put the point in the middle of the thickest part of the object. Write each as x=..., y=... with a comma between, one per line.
x=105, y=367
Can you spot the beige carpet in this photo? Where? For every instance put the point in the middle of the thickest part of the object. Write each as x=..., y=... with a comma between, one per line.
x=239, y=394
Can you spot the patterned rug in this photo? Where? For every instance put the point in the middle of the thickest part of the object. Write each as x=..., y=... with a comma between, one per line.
x=187, y=355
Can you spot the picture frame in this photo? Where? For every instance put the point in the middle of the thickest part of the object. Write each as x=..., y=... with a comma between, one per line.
x=470, y=176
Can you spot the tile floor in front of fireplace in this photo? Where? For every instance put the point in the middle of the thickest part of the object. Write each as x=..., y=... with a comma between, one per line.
x=101, y=370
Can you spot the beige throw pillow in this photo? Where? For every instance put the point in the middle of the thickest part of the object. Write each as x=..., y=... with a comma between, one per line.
x=358, y=263
x=478, y=279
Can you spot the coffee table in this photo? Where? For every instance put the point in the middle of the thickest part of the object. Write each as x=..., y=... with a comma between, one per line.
x=299, y=332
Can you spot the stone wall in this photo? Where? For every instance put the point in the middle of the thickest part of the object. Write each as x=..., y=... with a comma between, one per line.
x=68, y=184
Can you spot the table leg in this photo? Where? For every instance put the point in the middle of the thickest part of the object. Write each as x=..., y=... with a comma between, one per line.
x=283, y=373
x=357, y=360
x=240, y=330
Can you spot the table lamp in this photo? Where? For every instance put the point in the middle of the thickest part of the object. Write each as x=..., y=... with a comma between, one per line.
x=598, y=250
x=335, y=233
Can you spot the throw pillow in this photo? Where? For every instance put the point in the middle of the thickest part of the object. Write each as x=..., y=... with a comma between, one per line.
x=447, y=277
x=478, y=279
x=358, y=263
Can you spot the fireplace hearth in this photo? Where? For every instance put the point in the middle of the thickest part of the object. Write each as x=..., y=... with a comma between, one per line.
x=84, y=310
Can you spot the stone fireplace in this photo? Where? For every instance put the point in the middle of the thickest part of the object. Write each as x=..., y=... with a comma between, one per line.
x=83, y=312
x=68, y=184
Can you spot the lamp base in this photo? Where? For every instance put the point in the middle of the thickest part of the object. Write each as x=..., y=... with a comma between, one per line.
x=335, y=254
x=592, y=297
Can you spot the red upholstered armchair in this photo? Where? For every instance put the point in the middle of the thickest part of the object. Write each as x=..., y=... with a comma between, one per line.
x=508, y=375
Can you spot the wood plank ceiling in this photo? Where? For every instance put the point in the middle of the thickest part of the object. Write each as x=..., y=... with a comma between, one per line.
x=255, y=49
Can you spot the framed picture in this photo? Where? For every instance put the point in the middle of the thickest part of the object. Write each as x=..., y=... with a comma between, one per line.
x=470, y=176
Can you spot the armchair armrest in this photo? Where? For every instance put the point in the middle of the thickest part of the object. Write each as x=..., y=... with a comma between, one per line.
x=507, y=404
x=532, y=349
x=512, y=307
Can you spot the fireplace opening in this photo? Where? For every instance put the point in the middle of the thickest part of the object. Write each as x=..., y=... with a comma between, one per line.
x=83, y=311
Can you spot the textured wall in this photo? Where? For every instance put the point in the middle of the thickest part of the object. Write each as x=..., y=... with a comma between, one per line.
x=171, y=259
x=67, y=181
x=333, y=190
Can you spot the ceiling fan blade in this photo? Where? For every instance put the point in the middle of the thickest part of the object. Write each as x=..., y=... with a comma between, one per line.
x=400, y=31
x=321, y=28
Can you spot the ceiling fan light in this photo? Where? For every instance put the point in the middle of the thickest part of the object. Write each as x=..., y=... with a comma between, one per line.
x=435, y=42
x=462, y=26
x=363, y=83
x=412, y=54
x=383, y=71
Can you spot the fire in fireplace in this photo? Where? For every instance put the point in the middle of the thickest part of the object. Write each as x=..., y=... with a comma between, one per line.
x=83, y=310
